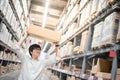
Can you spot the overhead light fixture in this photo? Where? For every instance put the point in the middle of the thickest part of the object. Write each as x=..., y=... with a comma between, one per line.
x=45, y=13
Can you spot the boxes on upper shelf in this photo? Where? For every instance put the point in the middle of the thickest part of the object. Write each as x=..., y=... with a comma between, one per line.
x=82, y=3
x=4, y=34
x=109, y=31
x=102, y=5
x=4, y=7
x=84, y=40
x=94, y=8
x=118, y=34
x=97, y=35
x=13, y=21
x=85, y=14
x=9, y=13
x=25, y=7
x=18, y=9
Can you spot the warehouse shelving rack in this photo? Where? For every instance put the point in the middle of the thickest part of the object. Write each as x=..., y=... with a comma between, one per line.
x=115, y=7
x=9, y=27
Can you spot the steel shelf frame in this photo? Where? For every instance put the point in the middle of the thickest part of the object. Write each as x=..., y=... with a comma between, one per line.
x=97, y=19
x=14, y=11
x=8, y=25
x=6, y=46
x=115, y=7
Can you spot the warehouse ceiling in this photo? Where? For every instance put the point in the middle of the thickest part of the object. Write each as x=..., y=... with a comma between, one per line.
x=54, y=11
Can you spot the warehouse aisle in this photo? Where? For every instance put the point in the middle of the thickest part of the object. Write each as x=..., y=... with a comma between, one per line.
x=10, y=76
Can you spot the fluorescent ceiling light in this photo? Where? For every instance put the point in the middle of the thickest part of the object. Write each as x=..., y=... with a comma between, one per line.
x=45, y=13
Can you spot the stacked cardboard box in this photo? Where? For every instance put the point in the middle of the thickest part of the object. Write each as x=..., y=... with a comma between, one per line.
x=9, y=13
x=25, y=7
x=85, y=13
x=118, y=74
x=101, y=68
x=97, y=35
x=83, y=43
x=82, y=3
x=109, y=2
x=5, y=36
x=94, y=8
x=102, y=5
x=3, y=69
x=110, y=28
x=101, y=65
x=4, y=5
x=18, y=8
x=118, y=34
x=12, y=21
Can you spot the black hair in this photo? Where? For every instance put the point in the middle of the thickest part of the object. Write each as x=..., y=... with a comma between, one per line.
x=32, y=47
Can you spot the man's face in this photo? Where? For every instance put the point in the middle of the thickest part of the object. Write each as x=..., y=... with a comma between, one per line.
x=36, y=53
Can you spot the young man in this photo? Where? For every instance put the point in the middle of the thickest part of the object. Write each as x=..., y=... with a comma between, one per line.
x=32, y=66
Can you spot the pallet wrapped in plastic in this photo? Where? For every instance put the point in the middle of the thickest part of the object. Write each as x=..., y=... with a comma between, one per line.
x=110, y=28
x=97, y=34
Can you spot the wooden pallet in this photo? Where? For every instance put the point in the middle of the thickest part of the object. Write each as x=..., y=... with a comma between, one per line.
x=118, y=40
x=109, y=3
x=106, y=45
x=95, y=48
x=92, y=16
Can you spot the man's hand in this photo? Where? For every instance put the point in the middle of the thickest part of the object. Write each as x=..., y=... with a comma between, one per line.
x=57, y=49
x=56, y=44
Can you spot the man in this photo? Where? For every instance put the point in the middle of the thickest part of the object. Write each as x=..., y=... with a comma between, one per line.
x=32, y=66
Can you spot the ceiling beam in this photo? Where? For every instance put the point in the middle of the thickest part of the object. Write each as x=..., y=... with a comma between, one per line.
x=53, y=6
x=41, y=13
x=50, y=10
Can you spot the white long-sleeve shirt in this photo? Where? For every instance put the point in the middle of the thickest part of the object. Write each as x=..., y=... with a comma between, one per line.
x=32, y=69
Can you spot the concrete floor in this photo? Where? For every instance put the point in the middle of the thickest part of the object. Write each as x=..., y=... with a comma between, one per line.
x=10, y=76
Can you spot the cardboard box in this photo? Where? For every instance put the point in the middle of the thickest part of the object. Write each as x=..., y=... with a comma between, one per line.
x=97, y=35
x=94, y=6
x=45, y=34
x=118, y=71
x=109, y=32
x=102, y=5
x=103, y=75
x=118, y=35
x=83, y=41
x=117, y=77
x=101, y=65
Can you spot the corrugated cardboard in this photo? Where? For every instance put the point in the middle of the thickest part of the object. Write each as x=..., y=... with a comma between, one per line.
x=117, y=77
x=118, y=71
x=83, y=41
x=97, y=34
x=45, y=34
x=110, y=28
x=103, y=75
x=101, y=65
